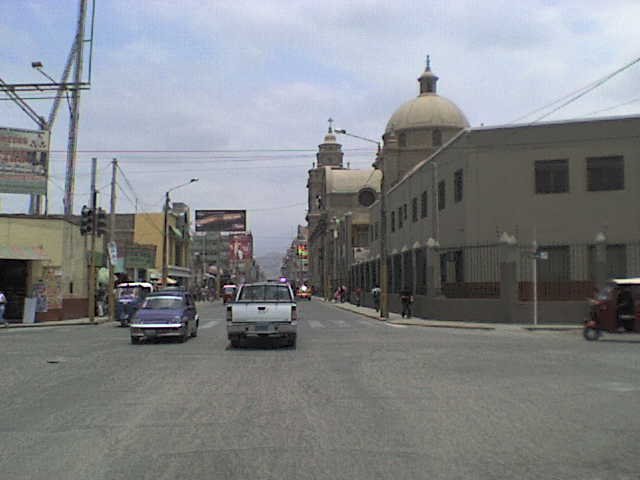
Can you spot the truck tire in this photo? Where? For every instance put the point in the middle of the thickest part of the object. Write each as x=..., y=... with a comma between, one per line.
x=135, y=341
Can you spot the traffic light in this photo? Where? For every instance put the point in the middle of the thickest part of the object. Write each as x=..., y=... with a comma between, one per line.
x=101, y=222
x=86, y=220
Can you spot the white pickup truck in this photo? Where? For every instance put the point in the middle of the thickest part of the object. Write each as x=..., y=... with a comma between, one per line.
x=264, y=309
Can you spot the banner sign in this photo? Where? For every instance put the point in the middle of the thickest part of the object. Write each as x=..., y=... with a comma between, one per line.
x=139, y=256
x=302, y=251
x=24, y=159
x=221, y=220
x=240, y=247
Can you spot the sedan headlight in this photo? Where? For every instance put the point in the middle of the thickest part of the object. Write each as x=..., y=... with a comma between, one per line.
x=177, y=319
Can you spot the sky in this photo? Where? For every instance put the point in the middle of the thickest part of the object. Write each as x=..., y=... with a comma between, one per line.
x=238, y=93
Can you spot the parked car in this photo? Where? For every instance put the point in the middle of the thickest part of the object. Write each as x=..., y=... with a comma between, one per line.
x=167, y=313
x=263, y=310
x=129, y=297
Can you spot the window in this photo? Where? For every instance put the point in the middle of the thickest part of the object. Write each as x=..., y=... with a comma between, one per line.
x=366, y=197
x=414, y=209
x=402, y=140
x=458, y=185
x=404, y=211
x=441, y=198
x=393, y=221
x=605, y=173
x=421, y=271
x=552, y=176
x=436, y=138
x=424, y=205
x=400, y=218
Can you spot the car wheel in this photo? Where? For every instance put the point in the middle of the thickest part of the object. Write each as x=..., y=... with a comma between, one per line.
x=591, y=334
x=135, y=341
x=194, y=333
x=292, y=340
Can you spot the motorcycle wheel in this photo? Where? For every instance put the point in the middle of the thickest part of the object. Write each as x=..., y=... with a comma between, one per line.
x=591, y=334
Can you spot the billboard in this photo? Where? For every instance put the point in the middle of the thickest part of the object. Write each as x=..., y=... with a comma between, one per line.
x=24, y=160
x=240, y=247
x=221, y=220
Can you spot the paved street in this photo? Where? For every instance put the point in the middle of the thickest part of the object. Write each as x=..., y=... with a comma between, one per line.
x=357, y=399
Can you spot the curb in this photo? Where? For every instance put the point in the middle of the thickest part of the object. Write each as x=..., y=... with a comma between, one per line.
x=461, y=326
x=62, y=323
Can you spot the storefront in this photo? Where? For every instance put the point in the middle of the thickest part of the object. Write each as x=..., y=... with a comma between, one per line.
x=18, y=268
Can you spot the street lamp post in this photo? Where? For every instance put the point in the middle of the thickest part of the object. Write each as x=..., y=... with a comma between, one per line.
x=165, y=232
x=384, y=274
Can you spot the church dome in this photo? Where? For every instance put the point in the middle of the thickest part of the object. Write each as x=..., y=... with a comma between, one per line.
x=427, y=110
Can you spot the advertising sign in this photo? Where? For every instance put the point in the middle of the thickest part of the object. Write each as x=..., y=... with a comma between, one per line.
x=139, y=256
x=221, y=220
x=23, y=161
x=240, y=247
x=302, y=251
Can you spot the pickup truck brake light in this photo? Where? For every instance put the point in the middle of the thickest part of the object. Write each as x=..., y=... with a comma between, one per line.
x=294, y=313
x=229, y=313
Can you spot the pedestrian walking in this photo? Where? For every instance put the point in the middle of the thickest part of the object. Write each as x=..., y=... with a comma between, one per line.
x=406, y=297
x=375, y=293
x=3, y=305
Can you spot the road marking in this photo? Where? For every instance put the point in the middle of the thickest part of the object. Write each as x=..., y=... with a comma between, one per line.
x=210, y=324
x=340, y=323
x=315, y=324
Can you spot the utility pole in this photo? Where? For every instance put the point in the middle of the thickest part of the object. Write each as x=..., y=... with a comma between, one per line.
x=75, y=113
x=165, y=237
x=111, y=239
x=92, y=248
x=384, y=272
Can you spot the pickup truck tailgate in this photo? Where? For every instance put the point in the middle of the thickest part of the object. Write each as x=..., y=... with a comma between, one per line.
x=261, y=312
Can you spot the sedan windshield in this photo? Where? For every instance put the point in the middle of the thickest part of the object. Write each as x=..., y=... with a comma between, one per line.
x=162, y=303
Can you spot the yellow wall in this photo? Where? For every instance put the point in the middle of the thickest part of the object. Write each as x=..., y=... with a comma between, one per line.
x=62, y=242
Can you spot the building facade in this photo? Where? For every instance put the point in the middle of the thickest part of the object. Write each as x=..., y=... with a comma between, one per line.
x=464, y=207
x=45, y=258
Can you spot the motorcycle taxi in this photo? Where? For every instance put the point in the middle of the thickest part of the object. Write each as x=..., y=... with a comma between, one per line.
x=129, y=298
x=614, y=309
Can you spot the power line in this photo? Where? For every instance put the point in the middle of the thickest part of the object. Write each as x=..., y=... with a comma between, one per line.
x=576, y=95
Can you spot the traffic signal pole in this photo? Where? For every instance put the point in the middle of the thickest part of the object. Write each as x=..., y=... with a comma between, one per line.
x=112, y=227
x=92, y=248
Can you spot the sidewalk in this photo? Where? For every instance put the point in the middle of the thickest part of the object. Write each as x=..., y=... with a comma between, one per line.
x=396, y=319
x=61, y=323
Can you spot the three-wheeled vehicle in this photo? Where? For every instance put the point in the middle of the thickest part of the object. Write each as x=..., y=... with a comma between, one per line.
x=129, y=298
x=229, y=292
x=615, y=309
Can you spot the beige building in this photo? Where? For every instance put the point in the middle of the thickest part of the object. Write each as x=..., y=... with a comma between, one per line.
x=464, y=206
x=339, y=200
x=148, y=230
x=44, y=257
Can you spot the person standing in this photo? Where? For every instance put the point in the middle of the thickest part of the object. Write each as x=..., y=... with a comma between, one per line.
x=406, y=297
x=3, y=305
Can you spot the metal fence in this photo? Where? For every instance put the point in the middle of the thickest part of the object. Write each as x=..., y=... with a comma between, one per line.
x=470, y=271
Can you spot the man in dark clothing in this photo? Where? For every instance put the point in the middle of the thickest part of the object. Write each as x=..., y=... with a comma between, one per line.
x=406, y=297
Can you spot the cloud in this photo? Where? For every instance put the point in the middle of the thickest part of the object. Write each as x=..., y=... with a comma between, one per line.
x=206, y=75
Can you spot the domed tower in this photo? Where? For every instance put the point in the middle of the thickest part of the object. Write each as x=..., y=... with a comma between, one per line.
x=420, y=126
x=330, y=152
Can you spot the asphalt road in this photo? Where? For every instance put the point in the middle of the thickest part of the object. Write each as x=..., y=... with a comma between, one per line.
x=358, y=399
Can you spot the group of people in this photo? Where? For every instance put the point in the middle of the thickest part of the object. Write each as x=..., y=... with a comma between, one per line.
x=406, y=298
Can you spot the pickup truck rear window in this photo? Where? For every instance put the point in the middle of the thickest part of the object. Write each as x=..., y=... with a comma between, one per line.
x=265, y=293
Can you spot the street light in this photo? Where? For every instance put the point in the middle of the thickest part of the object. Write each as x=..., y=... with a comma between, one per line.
x=165, y=233
x=384, y=273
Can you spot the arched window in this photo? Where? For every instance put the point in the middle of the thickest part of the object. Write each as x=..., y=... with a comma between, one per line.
x=436, y=138
x=402, y=140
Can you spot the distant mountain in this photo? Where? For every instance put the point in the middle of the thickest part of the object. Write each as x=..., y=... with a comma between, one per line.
x=270, y=264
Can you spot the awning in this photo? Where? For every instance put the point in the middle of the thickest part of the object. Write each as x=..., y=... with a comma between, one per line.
x=16, y=252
